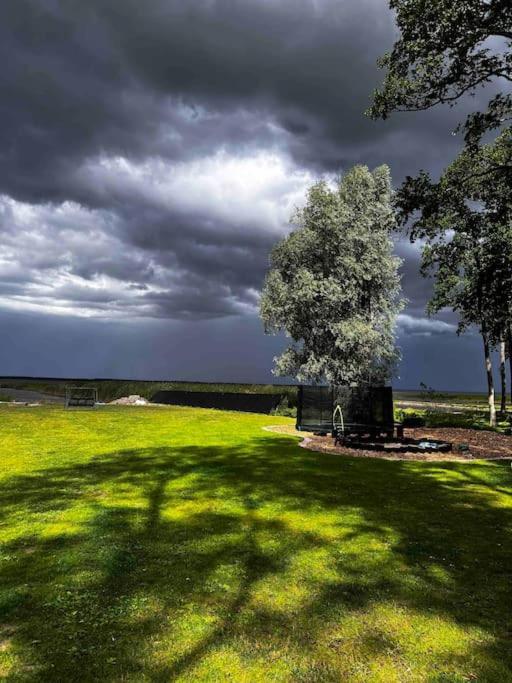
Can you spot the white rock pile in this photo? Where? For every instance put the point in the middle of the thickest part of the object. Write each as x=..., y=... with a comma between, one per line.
x=133, y=400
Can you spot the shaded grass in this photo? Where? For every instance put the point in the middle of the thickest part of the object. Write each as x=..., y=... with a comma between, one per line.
x=184, y=544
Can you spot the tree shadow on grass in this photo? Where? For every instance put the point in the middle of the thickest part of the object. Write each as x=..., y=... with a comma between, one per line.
x=174, y=542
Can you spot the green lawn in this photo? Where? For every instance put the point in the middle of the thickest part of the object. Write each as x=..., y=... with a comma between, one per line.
x=153, y=544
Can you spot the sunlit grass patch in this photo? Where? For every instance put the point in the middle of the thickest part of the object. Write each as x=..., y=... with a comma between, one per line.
x=181, y=544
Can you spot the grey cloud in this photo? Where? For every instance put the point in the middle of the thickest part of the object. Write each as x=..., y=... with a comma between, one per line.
x=121, y=124
x=411, y=325
x=66, y=346
x=179, y=79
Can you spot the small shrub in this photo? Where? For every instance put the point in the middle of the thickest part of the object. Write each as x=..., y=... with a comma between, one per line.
x=410, y=417
x=285, y=409
x=430, y=394
x=413, y=421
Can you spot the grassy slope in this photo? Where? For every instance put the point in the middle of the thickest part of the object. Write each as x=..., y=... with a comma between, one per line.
x=180, y=544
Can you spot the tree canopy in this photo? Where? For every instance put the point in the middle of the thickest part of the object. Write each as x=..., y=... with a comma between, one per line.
x=465, y=222
x=333, y=284
x=447, y=49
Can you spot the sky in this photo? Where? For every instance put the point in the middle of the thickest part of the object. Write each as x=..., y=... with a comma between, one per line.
x=151, y=154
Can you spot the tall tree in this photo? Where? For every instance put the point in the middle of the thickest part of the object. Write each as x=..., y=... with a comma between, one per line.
x=463, y=276
x=333, y=284
x=446, y=49
x=509, y=353
x=503, y=376
x=466, y=224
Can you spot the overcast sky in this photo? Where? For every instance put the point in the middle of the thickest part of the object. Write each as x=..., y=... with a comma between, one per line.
x=151, y=154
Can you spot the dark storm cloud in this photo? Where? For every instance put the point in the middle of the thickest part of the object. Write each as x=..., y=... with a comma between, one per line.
x=151, y=153
x=179, y=78
x=66, y=346
x=220, y=350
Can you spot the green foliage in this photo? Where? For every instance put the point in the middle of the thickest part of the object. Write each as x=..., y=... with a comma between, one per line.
x=285, y=408
x=174, y=544
x=409, y=417
x=466, y=224
x=333, y=285
x=428, y=393
x=466, y=419
x=444, y=51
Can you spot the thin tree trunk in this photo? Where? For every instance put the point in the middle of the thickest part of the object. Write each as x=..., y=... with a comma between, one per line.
x=509, y=335
x=503, y=378
x=490, y=381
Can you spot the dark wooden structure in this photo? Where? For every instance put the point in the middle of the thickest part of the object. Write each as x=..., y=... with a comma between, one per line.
x=81, y=396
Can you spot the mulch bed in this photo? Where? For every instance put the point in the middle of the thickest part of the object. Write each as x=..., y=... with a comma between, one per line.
x=483, y=445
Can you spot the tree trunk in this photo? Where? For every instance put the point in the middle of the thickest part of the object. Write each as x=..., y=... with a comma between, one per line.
x=490, y=381
x=509, y=336
x=503, y=378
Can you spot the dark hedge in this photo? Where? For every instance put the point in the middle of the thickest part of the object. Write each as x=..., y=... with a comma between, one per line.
x=247, y=403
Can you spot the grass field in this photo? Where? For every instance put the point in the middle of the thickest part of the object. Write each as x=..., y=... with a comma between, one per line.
x=165, y=544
